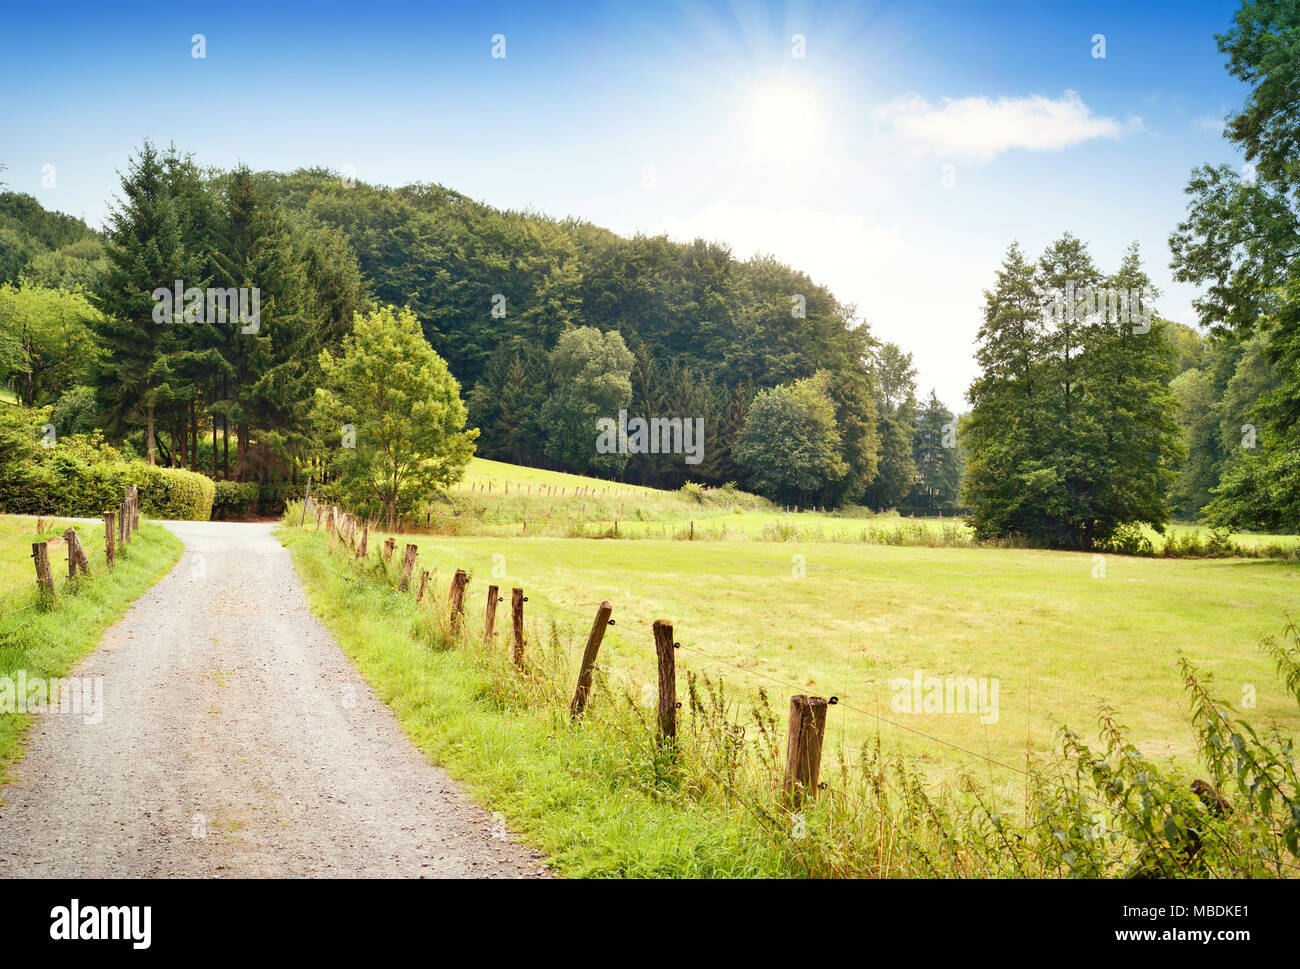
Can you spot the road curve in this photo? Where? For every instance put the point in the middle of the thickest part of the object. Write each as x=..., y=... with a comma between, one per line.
x=237, y=740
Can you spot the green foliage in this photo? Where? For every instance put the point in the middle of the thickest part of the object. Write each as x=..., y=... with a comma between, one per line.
x=234, y=500
x=390, y=389
x=592, y=381
x=790, y=444
x=1072, y=433
x=938, y=459
x=81, y=476
x=74, y=412
x=896, y=471
x=706, y=330
x=46, y=342
x=29, y=233
x=1239, y=243
x=173, y=493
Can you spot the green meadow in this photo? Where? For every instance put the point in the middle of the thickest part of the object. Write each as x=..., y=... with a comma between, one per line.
x=1061, y=632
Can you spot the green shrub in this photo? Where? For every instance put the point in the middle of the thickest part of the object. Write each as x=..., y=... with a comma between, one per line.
x=234, y=500
x=693, y=489
x=82, y=477
x=172, y=492
x=1128, y=539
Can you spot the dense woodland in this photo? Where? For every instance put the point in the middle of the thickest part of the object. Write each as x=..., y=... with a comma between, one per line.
x=547, y=326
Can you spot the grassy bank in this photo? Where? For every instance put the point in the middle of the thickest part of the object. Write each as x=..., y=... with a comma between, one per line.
x=583, y=799
x=48, y=642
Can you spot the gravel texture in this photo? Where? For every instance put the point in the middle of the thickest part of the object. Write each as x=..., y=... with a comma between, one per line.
x=237, y=740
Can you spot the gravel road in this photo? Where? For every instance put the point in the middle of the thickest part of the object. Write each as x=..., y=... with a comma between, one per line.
x=237, y=740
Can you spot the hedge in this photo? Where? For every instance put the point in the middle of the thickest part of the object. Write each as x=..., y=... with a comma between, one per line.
x=234, y=500
x=65, y=485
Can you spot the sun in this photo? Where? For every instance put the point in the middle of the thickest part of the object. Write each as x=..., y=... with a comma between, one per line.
x=784, y=120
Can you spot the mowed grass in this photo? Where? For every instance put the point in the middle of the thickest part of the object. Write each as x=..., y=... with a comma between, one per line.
x=1061, y=632
x=532, y=502
x=49, y=642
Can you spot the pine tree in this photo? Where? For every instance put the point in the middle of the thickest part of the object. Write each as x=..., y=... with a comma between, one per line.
x=145, y=251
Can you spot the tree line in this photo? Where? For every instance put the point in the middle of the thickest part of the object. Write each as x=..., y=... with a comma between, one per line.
x=547, y=325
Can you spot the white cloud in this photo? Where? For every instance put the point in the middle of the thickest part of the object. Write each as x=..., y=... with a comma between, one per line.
x=979, y=128
x=1208, y=124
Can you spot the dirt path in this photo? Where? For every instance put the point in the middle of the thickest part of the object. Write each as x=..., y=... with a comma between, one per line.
x=237, y=740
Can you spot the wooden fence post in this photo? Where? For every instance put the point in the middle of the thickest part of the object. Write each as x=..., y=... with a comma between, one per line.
x=110, y=549
x=135, y=506
x=76, y=554
x=517, y=601
x=456, y=598
x=408, y=563
x=365, y=540
x=306, y=500
x=491, y=618
x=424, y=581
x=320, y=510
x=121, y=524
x=44, y=578
x=583, y=691
x=803, y=752
x=390, y=546
x=664, y=647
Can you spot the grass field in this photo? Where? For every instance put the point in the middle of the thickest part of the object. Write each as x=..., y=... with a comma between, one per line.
x=48, y=643
x=1058, y=636
x=535, y=502
x=823, y=610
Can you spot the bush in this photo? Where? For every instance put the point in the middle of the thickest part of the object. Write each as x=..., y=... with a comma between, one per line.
x=82, y=477
x=234, y=500
x=1128, y=540
x=693, y=490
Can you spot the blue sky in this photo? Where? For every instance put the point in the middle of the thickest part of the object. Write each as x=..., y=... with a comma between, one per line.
x=686, y=118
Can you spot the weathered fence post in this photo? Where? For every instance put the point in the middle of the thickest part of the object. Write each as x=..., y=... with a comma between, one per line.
x=517, y=601
x=583, y=691
x=491, y=618
x=456, y=598
x=44, y=579
x=365, y=540
x=135, y=507
x=76, y=554
x=110, y=549
x=390, y=545
x=664, y=647
x=424, y=581
x=320, y=510
x=121, y=524
x=803, y=752
x=408, y=563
